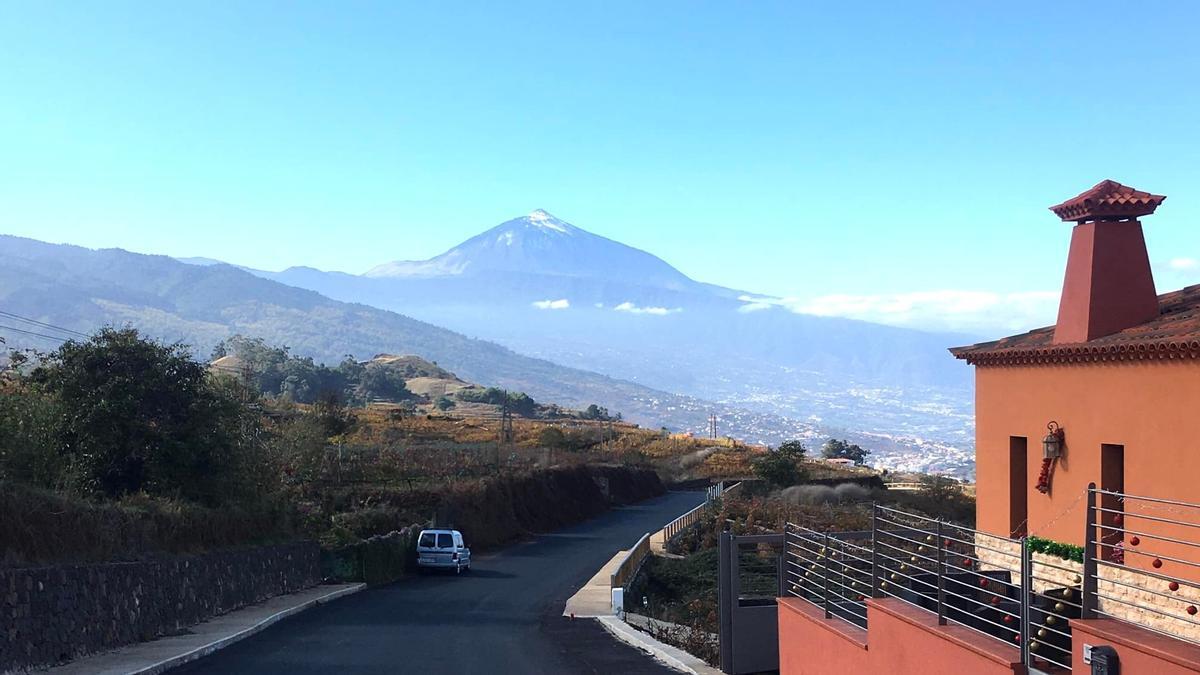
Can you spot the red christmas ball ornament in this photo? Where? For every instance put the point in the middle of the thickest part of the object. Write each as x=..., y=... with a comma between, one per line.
x=1008, y=618
x=1117, y=519
x=1192, y=610
x=966, y=562
x=1016, y=637
x=995, y=599
x=948, y=543
x=983, y=582
x=1157, y=563
x=1134, y=541
x=1174, y=585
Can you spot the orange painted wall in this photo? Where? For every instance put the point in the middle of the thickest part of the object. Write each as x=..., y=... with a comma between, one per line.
x=1149, y=407
x=810, y=645
x=807, y=646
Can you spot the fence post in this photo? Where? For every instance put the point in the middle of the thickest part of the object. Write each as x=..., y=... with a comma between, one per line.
x=1087, y=600
x=825, y=568
x=1026, y=598
x=875, y=593
x=941, y=581
x=726, y=599
x=781, y=562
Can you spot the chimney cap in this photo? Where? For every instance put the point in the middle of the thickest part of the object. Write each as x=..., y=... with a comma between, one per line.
x=1108, y=200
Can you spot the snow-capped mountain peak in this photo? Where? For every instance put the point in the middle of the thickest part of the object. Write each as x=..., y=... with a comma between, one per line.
x=543, y=244
x=546, y=220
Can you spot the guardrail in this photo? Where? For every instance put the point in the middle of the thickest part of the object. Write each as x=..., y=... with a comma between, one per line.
x=632, y=562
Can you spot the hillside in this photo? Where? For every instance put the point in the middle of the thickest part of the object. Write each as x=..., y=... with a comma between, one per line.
x=550, y=289
x=201, y=305
x=82, y=289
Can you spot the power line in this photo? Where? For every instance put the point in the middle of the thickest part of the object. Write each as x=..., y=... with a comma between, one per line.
x=43, y=324
x=29, y=332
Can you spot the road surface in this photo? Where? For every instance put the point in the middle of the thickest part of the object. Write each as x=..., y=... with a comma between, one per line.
x=502, y=617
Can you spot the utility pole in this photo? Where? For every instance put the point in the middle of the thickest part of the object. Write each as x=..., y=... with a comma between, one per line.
x=506, y=427
x=712, y=426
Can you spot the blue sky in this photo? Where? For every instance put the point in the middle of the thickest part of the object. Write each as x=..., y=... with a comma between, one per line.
x=882, y=160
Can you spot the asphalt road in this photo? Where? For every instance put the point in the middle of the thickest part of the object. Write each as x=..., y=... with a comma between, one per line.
x=502, y=617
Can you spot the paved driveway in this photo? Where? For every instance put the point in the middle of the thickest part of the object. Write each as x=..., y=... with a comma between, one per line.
x=502, y=617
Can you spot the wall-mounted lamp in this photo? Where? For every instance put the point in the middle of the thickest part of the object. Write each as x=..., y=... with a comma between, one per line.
x=1052, y=444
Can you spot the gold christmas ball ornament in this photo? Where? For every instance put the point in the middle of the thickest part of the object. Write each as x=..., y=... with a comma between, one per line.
x=1050, y=620
x=1041, y=632
x=1059, y=607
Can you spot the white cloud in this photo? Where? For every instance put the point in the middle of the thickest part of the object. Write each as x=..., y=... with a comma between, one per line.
x=1184, y=263
x=553, y=304
x=980, y=312
x=656, y=311
x=754, y=304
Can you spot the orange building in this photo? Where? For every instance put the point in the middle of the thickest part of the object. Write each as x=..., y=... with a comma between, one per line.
x=1108, y=397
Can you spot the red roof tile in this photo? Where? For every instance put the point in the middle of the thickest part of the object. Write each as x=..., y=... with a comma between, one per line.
x=1108, y=200
x=1175, y=334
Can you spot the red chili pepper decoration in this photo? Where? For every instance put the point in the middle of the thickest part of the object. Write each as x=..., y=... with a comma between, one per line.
x=1043, y=481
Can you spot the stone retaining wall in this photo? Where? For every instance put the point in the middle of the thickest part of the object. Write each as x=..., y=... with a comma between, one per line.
x=1140, y=598
x=53, y=614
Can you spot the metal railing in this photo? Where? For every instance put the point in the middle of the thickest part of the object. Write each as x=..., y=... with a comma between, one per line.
x=1140, y=565
x=676, y=527
x=988, y=584
x=991, y=585
x=829, y=572
x=1142, y=562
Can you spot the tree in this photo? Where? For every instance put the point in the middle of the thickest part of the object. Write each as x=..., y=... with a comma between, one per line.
x=382, y=381
x=553, y=438
x=794, y=449
x=595, y=412
x=139, y=415
x=331, y=412
x=778, y=469
x=443, y=403
x=840, y=449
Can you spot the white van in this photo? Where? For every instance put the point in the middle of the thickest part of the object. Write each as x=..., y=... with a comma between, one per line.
x=443, y=549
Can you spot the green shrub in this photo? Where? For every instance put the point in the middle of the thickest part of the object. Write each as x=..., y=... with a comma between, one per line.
x=1057, y=549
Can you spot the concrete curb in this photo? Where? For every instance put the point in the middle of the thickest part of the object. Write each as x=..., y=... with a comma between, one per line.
x=671, y=657
x=201, y=652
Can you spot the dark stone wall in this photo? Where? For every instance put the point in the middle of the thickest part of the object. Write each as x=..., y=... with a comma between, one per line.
x=52, y=614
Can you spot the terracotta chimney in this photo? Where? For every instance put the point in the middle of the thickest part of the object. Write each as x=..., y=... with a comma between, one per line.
x=1108, y=286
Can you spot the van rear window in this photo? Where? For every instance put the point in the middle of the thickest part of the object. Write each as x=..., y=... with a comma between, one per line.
x=427, y=540
x=445, y=540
